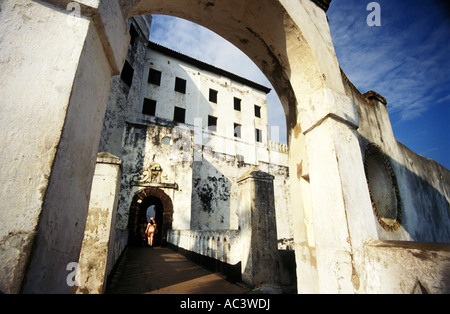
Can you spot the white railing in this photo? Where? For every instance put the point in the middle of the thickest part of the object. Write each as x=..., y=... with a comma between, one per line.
x=279, y=147
x=222, y=245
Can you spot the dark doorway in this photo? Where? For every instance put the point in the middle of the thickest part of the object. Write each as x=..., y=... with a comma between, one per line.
x=150, y=202
x=153, y=207
x=150, y=206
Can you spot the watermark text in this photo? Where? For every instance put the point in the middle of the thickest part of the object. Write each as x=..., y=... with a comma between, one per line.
x=374, y=17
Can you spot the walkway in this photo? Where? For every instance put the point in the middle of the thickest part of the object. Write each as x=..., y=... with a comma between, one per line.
x=162, y=271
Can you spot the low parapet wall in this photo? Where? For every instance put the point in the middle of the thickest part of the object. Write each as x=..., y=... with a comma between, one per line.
x=222, y=245
x=399, y=267
x=217, y=251
x=220, y=250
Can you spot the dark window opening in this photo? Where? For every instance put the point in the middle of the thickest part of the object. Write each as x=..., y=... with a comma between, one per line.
x=213, y=95
x=257, y=111
x=133, y=34
x=179, y=115
x=237, y=104
x=154, y=77
x=180, y=85
x=237, y=130
x=127, y=74
x=212, y=123
x=258, y=134
x=149, y=107
x=240, y=159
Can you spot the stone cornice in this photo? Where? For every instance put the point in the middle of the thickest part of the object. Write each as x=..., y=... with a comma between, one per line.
x=107, y=158
x=255, y=174
x=371, y=95
x=323, y=4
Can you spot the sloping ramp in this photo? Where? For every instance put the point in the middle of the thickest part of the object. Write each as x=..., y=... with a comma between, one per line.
x=146, y=270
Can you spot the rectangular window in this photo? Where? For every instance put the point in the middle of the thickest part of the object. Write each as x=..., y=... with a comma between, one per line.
x=154, y=77
x=257, y=111
x=149, y=107
x=213, y=95
x=133, y=34
x=127, y=74
x=179, y=115
x=237, y=130
x=212, y=123
x=258, y=134
x=180, y=85
x=237, y=104
x=240, y=159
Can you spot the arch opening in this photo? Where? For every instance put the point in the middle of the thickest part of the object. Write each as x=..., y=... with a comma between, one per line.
x=147, y=203
x=202, y=44
x=268, y=35
x=273, y=42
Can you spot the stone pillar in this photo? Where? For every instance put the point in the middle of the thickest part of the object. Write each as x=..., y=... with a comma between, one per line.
x=98, y=239
x=257, y=224
x=56, y=62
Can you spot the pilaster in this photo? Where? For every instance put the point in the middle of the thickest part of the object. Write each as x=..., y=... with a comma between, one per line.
x=98, y=238
x=257, y=223
x=342, y=213
x=56, y=63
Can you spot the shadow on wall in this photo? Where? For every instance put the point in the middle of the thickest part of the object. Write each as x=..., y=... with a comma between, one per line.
x=211, y=193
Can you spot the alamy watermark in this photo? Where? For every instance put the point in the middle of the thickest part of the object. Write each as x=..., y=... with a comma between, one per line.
x=374, y=17
x=73, y=278
x=75, y=13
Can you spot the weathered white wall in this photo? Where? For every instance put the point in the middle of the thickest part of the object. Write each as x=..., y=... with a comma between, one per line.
x=393, y=266
x=215, y=194
x=215, y=167
x=208, y=197
x=223, y=245
x=65, y=212
x=210, y=167
x=97, y=245
x=54, y=83
x=198, y=107
x=55, y=63
x=258, y=229
x=396, y=267
x=123, y=99
x=139, y=152
x=423, y=183
x=34, y=76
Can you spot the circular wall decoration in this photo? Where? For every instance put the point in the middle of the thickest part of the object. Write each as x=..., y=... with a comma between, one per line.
x=383, y=188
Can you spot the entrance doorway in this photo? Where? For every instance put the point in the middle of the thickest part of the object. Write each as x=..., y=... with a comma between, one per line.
x=147, y=203
x=150, y=207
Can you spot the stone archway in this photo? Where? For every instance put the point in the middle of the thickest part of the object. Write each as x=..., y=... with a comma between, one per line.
x=270, y=36
x=291, y=44
x=79, y=49
x=136, y=211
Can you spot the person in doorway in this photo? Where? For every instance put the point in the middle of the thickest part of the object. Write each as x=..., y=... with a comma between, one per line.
x=151, y=231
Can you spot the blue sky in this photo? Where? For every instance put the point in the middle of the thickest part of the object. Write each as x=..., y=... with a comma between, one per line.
x=406, y=60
